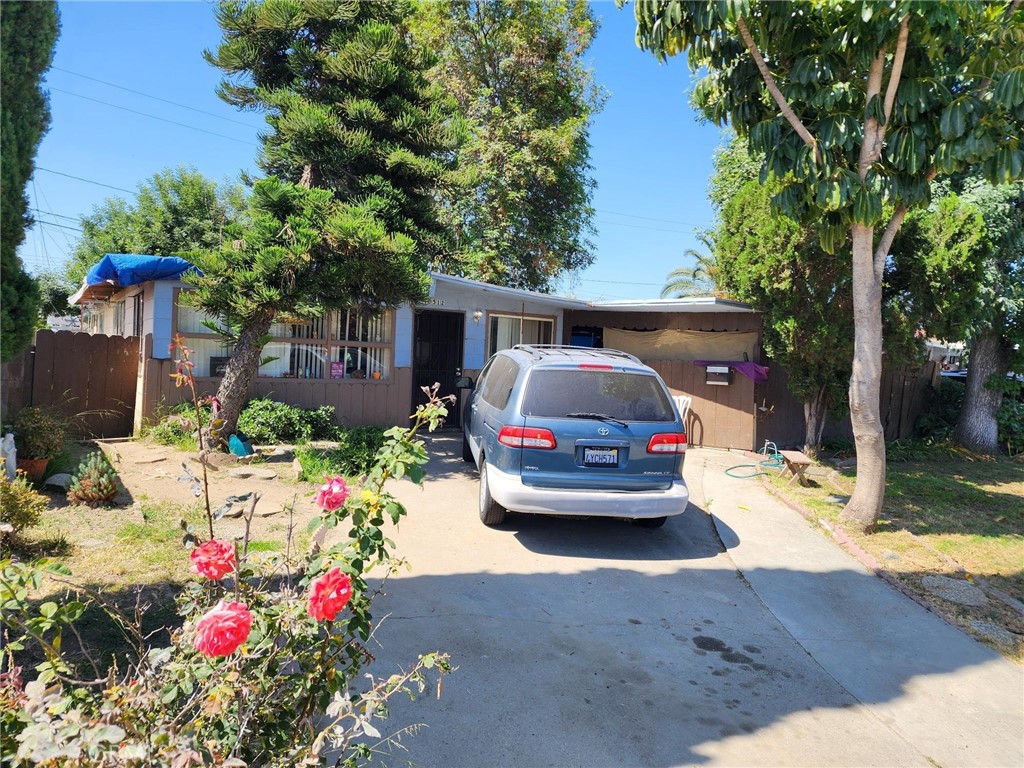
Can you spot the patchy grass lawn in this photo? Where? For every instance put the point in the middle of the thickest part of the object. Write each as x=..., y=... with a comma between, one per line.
x=955, y=517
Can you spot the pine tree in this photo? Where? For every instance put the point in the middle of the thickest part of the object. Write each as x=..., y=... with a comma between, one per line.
x=28, y=31
x=359, y=142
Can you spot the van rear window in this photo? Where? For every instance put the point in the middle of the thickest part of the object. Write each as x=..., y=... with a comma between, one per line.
x=556, y=393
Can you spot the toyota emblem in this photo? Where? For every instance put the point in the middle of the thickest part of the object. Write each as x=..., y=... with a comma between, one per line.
x=602, y=431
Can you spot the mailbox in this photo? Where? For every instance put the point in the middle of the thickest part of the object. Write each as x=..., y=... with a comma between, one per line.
x=718, y=375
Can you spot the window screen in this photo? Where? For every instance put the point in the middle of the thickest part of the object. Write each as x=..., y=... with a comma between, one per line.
x=625, y=396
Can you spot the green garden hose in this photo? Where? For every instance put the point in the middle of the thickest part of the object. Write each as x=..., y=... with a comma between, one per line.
x=774, y=460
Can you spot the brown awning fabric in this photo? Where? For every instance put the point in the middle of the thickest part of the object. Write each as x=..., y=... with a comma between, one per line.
x=683, y=345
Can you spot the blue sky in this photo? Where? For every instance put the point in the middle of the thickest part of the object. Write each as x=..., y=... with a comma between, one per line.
x=651, y=157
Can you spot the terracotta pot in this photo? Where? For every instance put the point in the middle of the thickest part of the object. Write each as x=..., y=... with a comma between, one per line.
x=34, y=468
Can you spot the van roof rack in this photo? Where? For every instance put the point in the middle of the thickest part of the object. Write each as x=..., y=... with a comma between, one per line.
x=569, y=350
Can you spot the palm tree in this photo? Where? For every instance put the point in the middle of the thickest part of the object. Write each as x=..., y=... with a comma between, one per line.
x=699, y=280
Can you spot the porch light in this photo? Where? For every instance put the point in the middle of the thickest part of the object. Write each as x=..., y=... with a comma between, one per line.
x=477, y=314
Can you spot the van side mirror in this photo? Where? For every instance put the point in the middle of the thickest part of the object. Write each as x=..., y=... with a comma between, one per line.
x=464, y=382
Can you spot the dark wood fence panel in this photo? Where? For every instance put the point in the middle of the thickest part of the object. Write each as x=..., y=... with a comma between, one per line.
x=90, y=378
x=16, y=384
x=720, y=416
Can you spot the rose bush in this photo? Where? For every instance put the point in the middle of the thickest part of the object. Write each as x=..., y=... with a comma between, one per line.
x=332, y=494
x=329, y=594
x=223, y=628
x=259, y=673
x=213, y=559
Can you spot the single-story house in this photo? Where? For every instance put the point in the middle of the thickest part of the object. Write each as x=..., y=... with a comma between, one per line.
x=371, y=367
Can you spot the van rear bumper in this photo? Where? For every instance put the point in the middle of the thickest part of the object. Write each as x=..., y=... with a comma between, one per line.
x=512, y=493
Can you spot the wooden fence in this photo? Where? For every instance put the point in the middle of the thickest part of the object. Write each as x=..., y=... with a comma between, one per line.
x=720, y=416
x=90, y=378
x=904, y=394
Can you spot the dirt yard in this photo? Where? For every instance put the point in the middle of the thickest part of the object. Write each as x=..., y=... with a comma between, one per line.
x=150, y=475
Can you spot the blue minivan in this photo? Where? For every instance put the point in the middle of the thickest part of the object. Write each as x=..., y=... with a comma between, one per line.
x=575, y=431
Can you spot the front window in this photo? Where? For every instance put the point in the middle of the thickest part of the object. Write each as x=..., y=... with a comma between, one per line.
x=119, y=313
x=348, y=344
x=508, y=330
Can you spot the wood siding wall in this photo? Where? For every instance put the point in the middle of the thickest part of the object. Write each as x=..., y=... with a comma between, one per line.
x=356, y=402
x=720, y=416
x=90, y=378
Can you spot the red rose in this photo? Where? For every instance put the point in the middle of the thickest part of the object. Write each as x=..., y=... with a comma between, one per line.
x=214, y=559
x=222, y=629
x=332, y=493
x=329, y=594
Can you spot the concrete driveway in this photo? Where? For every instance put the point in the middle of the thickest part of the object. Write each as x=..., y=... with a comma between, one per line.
x=739, y=638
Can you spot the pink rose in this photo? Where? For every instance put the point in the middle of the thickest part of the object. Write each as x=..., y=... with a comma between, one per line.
x=222, y=629
x=332, y=493
x=329, y=594
x=214, y=559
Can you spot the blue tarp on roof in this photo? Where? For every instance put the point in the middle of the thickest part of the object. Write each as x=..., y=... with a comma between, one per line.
x=131, y=269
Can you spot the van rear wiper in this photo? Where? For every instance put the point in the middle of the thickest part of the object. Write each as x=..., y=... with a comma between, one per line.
x=597, y=417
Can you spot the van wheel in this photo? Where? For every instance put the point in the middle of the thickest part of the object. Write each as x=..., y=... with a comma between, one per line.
x=650, y=522
x=467, y=454
x=491, y=512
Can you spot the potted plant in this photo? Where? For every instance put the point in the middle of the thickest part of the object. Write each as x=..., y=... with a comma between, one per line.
x=39, y=435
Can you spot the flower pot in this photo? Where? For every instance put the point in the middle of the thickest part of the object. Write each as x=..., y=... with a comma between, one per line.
x=34, y=468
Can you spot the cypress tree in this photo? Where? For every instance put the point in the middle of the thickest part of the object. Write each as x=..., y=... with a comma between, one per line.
x=28, y=31
x=359, y=143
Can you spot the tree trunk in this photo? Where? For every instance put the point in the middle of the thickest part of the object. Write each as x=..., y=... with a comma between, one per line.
x=976, y=429
x=865, y=386
x=815, y=412
x=241, y=369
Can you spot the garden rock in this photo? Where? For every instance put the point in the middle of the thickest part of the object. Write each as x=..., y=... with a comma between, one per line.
x=994, y=632
x=955, y=590
x=297, y=469
x=60, y=480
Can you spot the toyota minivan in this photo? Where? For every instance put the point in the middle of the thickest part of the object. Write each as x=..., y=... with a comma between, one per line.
x=575, y=431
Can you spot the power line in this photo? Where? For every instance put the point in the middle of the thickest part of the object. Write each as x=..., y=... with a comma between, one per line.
x=88, y=181
x=150, y=96
x=154, y=117
x=614, y=282
x=54, y=224
x=647, y=218
x=641, y=226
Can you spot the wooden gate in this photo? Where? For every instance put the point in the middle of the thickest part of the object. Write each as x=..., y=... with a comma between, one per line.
x=89, y=377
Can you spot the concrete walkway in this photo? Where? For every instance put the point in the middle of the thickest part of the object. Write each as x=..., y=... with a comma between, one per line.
x=595, y=643
x=956, y=701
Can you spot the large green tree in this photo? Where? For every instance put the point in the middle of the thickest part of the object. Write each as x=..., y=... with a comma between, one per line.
x=778, y=266
x=352, y=120
x=175, y=211
x=28, y=32
x=968, y=250
x=856, y=108
x=523, y=212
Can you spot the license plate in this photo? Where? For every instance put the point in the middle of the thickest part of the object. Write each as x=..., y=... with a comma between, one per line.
x=600, y=457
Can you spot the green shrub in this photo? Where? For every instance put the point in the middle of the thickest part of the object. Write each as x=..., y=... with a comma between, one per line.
x=941, y=410
x=95, y=482
x=39, y=432
x=264, y=422
x=1011, y=425
x=20, y=505
x=353, y=456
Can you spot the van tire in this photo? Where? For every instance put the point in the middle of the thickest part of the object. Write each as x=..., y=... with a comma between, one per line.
x=650, y=522
x=491, y=512
x=467, y=453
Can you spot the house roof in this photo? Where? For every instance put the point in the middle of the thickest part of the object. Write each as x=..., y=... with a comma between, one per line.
x=690, y=304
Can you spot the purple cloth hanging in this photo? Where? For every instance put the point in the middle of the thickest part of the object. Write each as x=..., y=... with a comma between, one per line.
x=756, y=373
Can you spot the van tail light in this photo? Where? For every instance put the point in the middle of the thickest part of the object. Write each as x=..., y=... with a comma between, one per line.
x=595, y=367
x=527, y=437
x=667, y=442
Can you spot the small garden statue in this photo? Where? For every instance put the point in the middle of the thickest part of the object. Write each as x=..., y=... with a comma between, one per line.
x=9, y=453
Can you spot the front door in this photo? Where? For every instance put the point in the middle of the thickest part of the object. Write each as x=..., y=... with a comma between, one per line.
x=438, y=341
